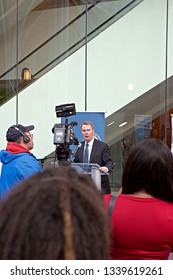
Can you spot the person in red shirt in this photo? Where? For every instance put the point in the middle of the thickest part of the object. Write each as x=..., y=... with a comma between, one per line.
x=142, y=217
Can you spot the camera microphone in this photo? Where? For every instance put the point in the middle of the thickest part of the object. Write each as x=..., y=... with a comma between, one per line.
x=73, y=123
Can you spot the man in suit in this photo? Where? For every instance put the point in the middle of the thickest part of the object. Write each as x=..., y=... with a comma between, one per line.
x=98, y=152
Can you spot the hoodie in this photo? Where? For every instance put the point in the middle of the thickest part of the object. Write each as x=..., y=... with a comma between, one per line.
x=17, y=164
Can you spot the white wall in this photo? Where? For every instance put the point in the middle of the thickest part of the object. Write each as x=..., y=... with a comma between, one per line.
x=131, y=51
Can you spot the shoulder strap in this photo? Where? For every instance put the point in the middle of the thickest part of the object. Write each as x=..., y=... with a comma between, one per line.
x=111, y=205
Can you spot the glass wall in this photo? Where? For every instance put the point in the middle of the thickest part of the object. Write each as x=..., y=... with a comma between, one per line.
x=144, y=52
x=105, y=56
x=38, y=36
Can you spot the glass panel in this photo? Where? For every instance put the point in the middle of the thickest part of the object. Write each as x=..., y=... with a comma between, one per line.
x=8, y=54
x=50, y=31
x=128, y=80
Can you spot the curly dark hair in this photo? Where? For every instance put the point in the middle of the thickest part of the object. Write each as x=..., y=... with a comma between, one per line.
x=150, y=167
x=55, y=214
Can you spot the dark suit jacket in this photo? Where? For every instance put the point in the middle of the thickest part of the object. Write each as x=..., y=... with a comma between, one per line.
x=100, y=154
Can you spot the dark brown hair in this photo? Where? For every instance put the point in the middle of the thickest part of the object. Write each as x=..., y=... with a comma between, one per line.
x=55, y=214
x=150, y=167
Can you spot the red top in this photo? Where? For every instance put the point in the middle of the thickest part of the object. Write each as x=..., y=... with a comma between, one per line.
x=141, y=228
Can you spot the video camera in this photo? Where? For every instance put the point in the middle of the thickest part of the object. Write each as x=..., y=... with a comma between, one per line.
x=64, y=135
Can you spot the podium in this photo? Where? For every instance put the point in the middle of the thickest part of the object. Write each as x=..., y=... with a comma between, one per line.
x=91, y=169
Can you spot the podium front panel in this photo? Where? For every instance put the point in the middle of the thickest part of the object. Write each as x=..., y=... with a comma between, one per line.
x=91, y=169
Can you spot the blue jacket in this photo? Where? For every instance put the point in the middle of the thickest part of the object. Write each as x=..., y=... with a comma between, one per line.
x=16, y=168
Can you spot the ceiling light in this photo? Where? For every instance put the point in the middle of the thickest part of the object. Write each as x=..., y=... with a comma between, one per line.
x=130, y=87
x=110, y=123
x=122, y=124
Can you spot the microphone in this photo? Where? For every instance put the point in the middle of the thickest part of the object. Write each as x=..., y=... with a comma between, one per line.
x=73, y=123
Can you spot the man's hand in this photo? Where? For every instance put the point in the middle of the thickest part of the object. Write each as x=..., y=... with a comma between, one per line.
x=104, y=169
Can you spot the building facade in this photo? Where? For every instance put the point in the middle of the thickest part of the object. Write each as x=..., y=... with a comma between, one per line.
x=105, y=56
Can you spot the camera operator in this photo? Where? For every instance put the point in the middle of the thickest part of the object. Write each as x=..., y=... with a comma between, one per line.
x=17, y=161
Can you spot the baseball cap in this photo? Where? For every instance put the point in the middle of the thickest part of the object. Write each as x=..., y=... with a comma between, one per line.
x=16, y=131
